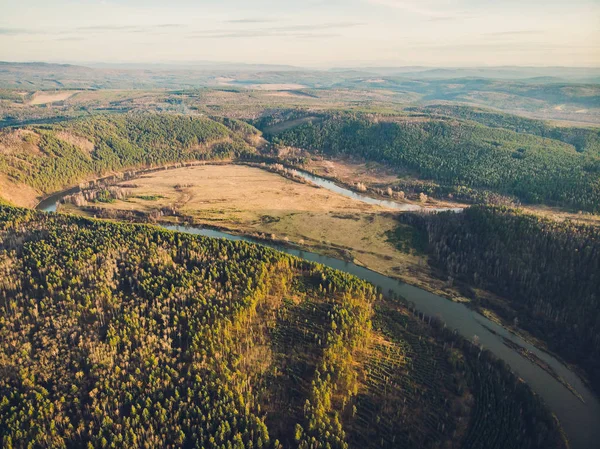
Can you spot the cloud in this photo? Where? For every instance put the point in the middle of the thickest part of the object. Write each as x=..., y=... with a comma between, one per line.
x=514, y=33
x=304, y=31
x=445, y=18
x=107, y=28
x=259, y=33
x=409, y=6
x=86, y=30
x=501, y=46
x=128, y=28
x=71, y=39
x=432, y=9
x=12, y=31
x=301, y=31
x=322, y=26
x=251, y=20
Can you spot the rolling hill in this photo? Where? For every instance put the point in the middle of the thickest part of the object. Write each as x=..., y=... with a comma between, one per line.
x=116, y=335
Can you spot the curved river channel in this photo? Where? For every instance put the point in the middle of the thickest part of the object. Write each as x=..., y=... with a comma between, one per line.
x=579, y=416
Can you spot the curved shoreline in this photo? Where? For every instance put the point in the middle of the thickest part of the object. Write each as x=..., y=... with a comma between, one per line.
x=305, y=177
x=554, y=388
x=572, y=413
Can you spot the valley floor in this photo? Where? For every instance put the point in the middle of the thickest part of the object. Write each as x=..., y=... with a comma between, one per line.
x=252, y=201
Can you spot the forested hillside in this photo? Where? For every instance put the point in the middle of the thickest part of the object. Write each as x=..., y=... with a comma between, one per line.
x=460, y=153
x=48, y=158
x=548, y=271
x=115, y=335
x=585, y=140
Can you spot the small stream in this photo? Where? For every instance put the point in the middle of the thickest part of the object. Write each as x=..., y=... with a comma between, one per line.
x=580, y=420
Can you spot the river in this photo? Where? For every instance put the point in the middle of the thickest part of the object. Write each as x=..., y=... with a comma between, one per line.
x=580, y=420
x=405, y=207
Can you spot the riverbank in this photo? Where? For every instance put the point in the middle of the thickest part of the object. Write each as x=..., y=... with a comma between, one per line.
x=572, y=413
x=302, y=211
x=572, y=410
x=254, y=199
x=247, y=198
x=375, y=179
x=421, y=276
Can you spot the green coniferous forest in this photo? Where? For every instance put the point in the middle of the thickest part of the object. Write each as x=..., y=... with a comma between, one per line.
x=118, y=335
x=464, y=153
x=547, y=270
x=585, y=140
x=114, y=335
x=51, y=157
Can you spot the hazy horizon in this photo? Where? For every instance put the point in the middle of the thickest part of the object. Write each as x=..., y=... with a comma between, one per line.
x=317, y=67
x=314, y=33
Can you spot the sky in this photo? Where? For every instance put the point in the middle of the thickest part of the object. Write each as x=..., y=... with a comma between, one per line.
x=309, y=33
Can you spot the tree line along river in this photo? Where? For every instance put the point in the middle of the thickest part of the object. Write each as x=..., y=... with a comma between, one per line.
x=578, y=415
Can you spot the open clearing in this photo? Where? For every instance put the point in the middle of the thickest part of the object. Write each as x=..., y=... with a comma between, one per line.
x=18, y=193
x=254, y=201
x=348, y=172
x=285, y=93
x=43, y=97
x=273, y=86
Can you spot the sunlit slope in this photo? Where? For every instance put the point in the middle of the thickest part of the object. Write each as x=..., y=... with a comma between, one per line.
x=37, y=160
x=118, y=335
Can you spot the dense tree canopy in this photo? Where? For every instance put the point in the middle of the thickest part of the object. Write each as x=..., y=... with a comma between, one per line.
x=460, y=153
x=585, y=140
x=549, y=272
x=115, y=335
x=51, y=157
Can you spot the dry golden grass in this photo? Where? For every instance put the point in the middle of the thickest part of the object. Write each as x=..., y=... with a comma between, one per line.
x=17, y=193
x=284, y=94
x=237, y=192
x=273, y=86
x=253, y=201
x=557, y=214
x=19, y=141
x=249, y=200
x=372, y=173
x=44, y=97
x=350, y=172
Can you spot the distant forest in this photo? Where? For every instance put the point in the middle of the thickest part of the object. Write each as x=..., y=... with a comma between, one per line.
x=585, y=140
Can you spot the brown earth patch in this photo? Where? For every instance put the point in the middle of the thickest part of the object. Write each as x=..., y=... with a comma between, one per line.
x=80, y=142
x=17, y=193
x=19, y=141
x=50, y=97
x=285, y=94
